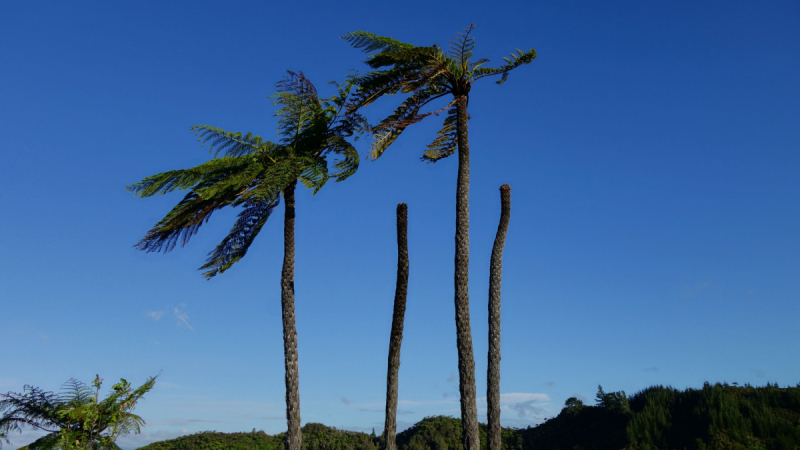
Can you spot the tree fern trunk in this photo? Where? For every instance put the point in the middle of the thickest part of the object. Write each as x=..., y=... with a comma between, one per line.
x=293, y=434
x=400, y=294
x=495, y=276
x=466, y=360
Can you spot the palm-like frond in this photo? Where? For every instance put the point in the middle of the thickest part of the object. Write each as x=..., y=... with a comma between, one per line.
x=370, y=42
x=299, y=109
x=446, y=141
x=34, y=407
x=516, y=60
x=407, y=114
x=234, y=246
x=462, y=45
x=165, y=182
x=233, y=144
x=217, y=183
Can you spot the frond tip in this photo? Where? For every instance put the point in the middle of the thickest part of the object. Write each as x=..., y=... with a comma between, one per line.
x=371, y=42
x=251, y=219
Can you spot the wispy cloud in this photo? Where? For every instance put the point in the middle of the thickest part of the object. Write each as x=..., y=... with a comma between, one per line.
x=156, y=315
x=517, y=397
x=182, y=318
x=693, y=290
x=528, y=409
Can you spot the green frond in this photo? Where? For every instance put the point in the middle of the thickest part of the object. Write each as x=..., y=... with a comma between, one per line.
x=381, y=140
x=314, y=174
x=165, y=182
x=388, y=130
x=348, y=165
x=462, y=46
x=299, y=107
x=516, y=60
x=234, y=246
x=181, y=223
x=446, y=141
x=410, y=58
x=233, y=144
x=371, y=42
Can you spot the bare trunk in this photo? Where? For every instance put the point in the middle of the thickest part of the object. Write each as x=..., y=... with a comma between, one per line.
x=495, y=277
x=294, y=437
x=466, y=361
x=400, y=294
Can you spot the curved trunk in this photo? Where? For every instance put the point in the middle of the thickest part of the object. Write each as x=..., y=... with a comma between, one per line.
x=293, y=435
x=495, y=276
x=466, y=361
x=400, y=294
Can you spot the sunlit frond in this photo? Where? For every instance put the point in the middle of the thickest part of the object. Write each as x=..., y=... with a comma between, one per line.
x=165, y=182
x=446, y=141
x=369, y=42
x=233, y=144
x=516, y=60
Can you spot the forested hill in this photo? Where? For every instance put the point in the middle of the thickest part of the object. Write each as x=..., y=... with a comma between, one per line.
x=714, y=417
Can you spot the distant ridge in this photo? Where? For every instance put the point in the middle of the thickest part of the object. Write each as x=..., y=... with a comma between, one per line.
x=715, y=417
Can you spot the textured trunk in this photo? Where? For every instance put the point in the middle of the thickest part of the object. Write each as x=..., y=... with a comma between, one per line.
x=495, y=277
x=294, y=437
x=466, y=361
x=400, y=293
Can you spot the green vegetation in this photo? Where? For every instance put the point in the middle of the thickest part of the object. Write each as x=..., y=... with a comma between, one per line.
x=715, y=417
x=76, y=418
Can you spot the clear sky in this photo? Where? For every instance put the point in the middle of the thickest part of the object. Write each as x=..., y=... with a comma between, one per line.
x=652, y=151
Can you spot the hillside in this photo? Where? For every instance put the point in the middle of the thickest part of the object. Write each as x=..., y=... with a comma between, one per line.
x=715, y=417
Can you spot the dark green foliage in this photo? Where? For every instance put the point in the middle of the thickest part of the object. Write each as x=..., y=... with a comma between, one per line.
x=426, y=74
x=212, y=440
x=76, y=415
x=252, y=172
x=315, y=437
x=716, y=417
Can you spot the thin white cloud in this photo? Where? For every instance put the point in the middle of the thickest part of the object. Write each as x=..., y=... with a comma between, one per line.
x=182, y=318
x=156, y=315
x=517, y=397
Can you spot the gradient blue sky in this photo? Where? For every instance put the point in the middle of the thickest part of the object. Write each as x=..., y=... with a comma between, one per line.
x=652, y=154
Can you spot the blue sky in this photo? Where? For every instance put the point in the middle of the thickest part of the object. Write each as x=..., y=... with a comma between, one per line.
x=652, y=154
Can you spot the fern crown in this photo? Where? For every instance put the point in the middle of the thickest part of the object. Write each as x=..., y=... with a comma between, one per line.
x=426, y=74
x=252, y=172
